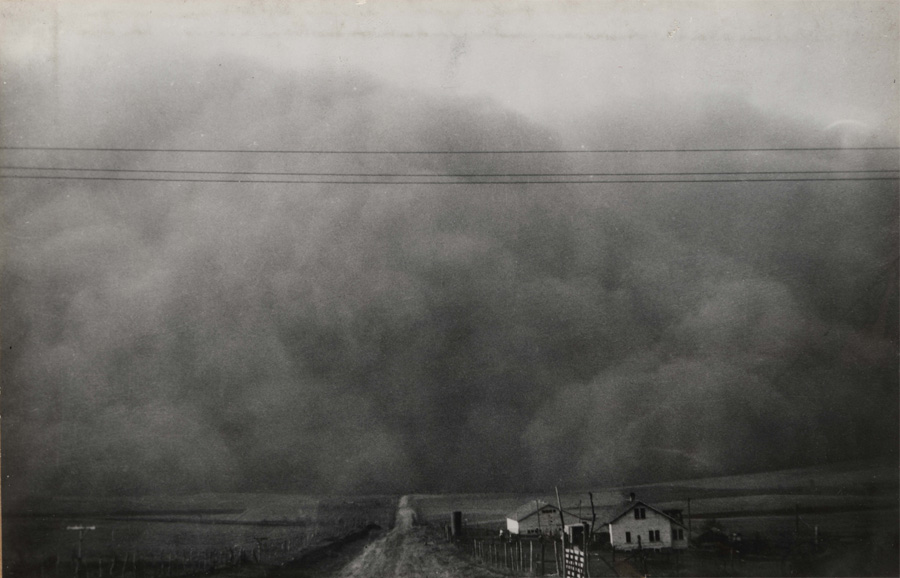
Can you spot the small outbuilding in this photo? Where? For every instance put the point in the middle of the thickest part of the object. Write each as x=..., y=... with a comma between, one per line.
x=539, y=517
x=641, y=525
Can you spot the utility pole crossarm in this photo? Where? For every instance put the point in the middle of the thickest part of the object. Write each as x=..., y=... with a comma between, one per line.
x=80, y=530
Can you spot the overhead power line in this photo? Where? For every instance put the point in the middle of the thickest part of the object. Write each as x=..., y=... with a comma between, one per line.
x=442, y=152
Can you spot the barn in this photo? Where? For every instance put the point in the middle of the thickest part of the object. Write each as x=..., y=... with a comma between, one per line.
x=642, y=525
x=538, y=517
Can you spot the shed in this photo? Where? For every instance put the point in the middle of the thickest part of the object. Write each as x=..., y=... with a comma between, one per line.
x=539, y=517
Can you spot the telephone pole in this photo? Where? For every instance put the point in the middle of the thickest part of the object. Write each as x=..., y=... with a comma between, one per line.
x=81, y=530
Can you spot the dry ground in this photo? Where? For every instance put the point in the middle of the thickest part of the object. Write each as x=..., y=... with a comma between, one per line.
x=411, y=551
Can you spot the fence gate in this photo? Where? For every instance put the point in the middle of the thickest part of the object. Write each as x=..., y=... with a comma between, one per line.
x=574, y=564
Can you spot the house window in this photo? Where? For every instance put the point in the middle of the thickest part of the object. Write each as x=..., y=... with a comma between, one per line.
x=628, y=537
x=653, y=535
x=679, y=534
x=640, y=514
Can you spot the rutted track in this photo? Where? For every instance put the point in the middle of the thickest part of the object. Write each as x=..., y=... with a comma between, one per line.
x=409, y=551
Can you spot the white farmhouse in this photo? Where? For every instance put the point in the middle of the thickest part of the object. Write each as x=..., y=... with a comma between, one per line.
x=538, y=517
x=641, y=525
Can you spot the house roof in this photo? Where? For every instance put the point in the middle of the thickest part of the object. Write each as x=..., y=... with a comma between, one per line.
x=631, y=505
x=605, y=513
x=529, y=508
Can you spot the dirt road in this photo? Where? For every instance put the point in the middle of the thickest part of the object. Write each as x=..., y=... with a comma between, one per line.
x=411, y=551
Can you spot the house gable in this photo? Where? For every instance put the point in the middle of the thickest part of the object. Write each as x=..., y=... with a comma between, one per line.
x=642, y=525
x=637, y=503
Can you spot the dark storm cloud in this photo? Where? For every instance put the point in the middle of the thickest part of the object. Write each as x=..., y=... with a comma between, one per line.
x=188, y=337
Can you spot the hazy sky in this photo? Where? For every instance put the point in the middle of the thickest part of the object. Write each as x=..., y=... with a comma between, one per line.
x=160, y=334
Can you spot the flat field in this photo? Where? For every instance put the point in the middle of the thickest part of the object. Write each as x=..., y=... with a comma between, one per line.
x=185, y=532
x=837, y=520
x=853, y=488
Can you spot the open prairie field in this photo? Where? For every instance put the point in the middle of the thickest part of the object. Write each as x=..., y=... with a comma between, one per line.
x=179, y=534
x=837, y=520
x=822, y=490
x=832, y=520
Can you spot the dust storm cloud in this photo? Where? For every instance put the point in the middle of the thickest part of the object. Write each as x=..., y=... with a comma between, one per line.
x=332, y=338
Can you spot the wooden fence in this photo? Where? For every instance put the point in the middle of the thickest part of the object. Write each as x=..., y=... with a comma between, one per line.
x=517, y=556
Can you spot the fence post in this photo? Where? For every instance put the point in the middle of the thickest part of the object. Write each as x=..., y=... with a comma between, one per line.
x=587, y=556
x=542, y=556
x=556, y=556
